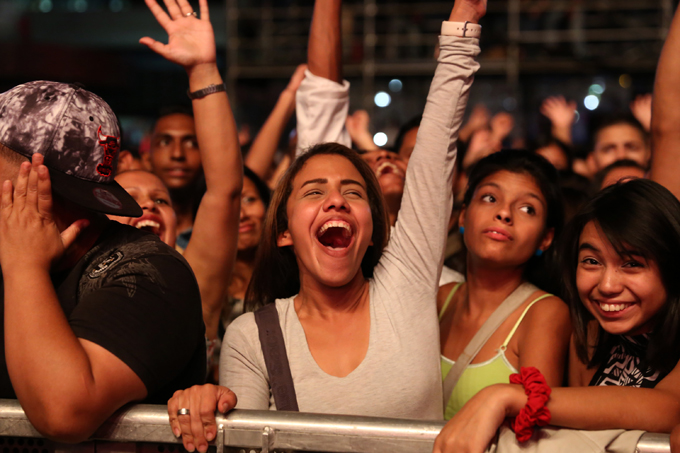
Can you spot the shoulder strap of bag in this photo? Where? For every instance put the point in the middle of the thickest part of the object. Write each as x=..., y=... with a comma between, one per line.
x=505, y=309
x=275, y=358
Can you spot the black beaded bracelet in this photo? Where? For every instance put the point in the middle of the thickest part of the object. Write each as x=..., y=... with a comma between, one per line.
x=210, y=89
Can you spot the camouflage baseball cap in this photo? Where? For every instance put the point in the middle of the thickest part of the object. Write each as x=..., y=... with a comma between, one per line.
x=78, y=134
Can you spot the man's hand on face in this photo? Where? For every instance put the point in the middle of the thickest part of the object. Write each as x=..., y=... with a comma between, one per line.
x=29, y=237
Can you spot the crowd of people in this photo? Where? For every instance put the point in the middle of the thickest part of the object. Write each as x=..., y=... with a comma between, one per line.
x=446, y=278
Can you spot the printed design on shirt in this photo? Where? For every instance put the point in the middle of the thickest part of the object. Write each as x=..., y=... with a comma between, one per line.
x=624, y=367
x=106, y=264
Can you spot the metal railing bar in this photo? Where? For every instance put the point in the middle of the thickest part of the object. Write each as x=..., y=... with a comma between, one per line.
x=268, y=430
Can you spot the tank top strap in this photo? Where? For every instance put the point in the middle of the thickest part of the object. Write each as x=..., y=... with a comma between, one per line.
x=519, y=321
x=448, y=299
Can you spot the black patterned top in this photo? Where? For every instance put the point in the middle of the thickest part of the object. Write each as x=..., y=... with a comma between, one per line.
x=625, y=365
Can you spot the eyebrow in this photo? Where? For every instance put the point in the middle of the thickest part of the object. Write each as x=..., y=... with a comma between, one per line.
x=530, y=194
x=626, y=252
x=587, y=246
x=344, y=182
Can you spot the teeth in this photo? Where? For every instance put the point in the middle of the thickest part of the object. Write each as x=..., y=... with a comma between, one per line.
x=147, y=223
x=385, y=165
x=335, y=224
x=612, y=307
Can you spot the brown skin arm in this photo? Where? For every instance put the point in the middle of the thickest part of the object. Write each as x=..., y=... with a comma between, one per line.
x=263, y=149
x=665, y=113
x=543, y=339
x=324, y=52
x=212, y=249
x=590, y=408
x=66, y=386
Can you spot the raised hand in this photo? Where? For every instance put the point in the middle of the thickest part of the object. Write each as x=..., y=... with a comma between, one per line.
x=641, y=107
x=501, y=125
x=29, y=236
x=191, y=40
x=297, y=78
x=560, y=112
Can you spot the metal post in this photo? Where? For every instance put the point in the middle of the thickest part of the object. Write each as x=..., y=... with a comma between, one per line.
x=368, y=64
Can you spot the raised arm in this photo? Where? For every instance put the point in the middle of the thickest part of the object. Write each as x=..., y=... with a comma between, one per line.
x=322, y=101
x=261, y=153
x=212, y=249
x=665, y=113
x=418, y=237
x=561, y=115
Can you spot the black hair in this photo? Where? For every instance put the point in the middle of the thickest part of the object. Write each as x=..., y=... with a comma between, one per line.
x=175, y=110
x=403, y=130
x=276, y=273
x=615, y=120
x=262, y=188
x=602, y=174
x=643, y=216
x=547, y=179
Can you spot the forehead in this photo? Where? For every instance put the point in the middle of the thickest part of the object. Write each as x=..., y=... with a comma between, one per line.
x=175, y=122
x=327, y=166
x=140, y=179
x=619, y=133
x=514, y=184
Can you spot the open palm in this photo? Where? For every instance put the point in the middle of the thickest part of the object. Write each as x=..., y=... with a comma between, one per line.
x=191, y=41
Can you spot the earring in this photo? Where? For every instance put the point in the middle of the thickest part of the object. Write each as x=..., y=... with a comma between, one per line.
x=539, y=252
x=461, y=230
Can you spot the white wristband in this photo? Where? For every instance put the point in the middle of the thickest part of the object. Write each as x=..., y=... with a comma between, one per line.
x=461, y=29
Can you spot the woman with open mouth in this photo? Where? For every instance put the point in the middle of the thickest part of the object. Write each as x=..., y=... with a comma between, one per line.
x=355, y=312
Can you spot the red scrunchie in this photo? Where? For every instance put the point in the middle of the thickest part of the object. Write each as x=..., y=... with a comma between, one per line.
x=534, y=413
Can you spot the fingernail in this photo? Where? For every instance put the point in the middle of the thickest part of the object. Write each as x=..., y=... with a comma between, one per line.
x=190, y=447
x=209, y=436
x=176, y=432
x=203, y=448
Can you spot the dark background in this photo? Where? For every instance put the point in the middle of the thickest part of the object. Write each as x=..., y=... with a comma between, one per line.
x=531, y=49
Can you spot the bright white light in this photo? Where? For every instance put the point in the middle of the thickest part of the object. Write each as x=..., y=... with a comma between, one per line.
x=591, y=102
x=80, y=6
x=380, y=139
x=382, y=99
x=395, y=85
x=116, y=5
x=596, y=88
x=45, y=6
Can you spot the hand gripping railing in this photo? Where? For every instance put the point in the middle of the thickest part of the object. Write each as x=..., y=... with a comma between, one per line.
x=268, y=431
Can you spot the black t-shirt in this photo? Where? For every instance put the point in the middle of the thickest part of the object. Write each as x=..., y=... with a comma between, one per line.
x=625, y=366
x=137, y=298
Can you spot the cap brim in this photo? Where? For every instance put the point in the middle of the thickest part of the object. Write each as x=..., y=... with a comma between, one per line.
x=107, y=198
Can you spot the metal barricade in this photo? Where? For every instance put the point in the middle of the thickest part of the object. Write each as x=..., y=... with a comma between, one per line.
x=145, y=429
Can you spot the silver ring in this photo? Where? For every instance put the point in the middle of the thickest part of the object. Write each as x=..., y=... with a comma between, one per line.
x=193, y=13
x=183, y=411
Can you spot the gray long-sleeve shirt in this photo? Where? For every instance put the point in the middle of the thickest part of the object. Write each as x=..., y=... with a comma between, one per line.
x=400, y=375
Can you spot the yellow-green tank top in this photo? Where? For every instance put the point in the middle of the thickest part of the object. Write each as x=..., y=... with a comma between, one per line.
x=476, y=376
